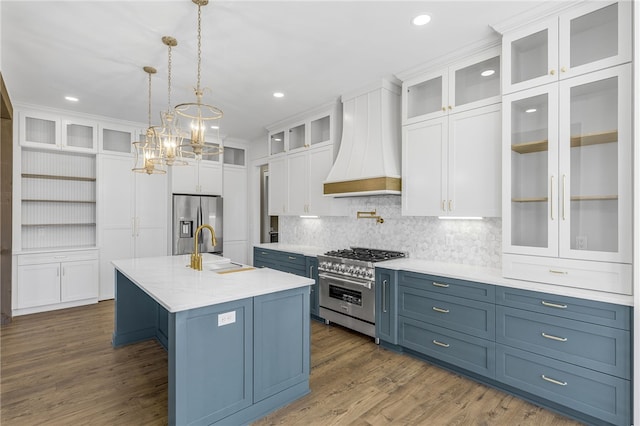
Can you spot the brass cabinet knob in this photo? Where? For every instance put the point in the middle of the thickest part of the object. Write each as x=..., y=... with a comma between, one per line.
x=552, y=72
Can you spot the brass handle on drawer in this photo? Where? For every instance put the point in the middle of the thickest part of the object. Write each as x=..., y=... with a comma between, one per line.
x=552, y=337
x=554, y=305
x=442, y=311
x=292, y=258
x=444, y=345
x=264, y=253
x=555, y=271
x=554, y=381
x=435, y=284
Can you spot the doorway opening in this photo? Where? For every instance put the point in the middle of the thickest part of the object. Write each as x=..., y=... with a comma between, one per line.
x=268, y=224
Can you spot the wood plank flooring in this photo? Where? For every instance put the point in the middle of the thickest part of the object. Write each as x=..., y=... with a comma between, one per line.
x=58, y=368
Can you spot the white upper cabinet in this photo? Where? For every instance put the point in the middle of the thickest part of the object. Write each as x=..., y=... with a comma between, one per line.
x=79, y=135
x=567, y=162
x=592, y=36
x=451, y=165
x=42, y=130
x=467, y=84
x=301, y=152
x=312, y=130
x=117, y=139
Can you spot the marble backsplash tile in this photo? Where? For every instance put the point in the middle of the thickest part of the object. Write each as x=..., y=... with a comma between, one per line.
x=473, y=242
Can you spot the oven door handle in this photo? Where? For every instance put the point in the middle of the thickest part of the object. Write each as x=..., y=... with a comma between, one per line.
x=332, y=277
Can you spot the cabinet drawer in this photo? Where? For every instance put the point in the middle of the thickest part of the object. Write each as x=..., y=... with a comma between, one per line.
x=287, y=262
x=591, y=346
x=599, y=276
x=455, y=313
x=449, y=286
x=567, y=307
x=462, y=350
x=57, y=257
x=587, y=391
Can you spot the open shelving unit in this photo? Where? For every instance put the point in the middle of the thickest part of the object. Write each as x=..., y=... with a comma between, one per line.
x=58, y=201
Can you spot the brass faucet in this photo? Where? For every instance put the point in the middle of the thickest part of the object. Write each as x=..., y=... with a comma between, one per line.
x=196, y=258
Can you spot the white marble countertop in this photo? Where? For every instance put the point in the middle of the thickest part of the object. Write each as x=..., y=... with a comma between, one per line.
x=171, y=283
x=494, y=276
x=469, y=273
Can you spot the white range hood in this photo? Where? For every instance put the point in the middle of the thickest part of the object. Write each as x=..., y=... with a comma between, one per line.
x=368, y=162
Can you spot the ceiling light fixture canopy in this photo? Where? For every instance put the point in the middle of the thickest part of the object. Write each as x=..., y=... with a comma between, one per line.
x=148, y=148
x=198, y=112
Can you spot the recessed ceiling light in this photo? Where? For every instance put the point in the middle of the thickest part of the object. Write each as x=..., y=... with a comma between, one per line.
x=530, y=110
x=71, y=98
x=487, y=73
x=278, y=95
x=421, y=20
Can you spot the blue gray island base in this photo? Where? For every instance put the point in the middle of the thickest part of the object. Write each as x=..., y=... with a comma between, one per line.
x=229, y=363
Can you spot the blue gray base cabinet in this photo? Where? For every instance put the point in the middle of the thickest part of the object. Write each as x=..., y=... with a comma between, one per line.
x=568, y=354
x=294, y=263
x=230, y=372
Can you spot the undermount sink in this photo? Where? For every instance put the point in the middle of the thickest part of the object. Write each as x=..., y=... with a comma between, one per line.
x=225, y=267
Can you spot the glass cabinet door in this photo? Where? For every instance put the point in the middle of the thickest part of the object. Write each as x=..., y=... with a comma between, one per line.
x=475, y=84
x=593, y=37
x=276, y=143
x=595, y=157
x=530, y=160
x=530, y=56
x=297, y=137
x=425, y=97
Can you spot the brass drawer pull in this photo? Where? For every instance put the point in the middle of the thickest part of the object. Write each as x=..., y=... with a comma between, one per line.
x=444, y=345
x=435, y=284
x=552, y=337
x=441, y=310
x=555, y=271
x=554, y=381
x=292, y=258
x=554, y=305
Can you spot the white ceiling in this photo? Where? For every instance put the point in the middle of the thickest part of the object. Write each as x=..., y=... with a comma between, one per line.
x=313, y=51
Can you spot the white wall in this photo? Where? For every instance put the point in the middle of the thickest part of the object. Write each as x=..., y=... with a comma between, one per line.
x=474, y=242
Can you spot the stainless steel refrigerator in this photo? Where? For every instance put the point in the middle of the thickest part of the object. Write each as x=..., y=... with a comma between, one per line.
x=191, y=211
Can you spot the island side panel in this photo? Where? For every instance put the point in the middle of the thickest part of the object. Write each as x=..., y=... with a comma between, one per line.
x=281, y=337
x=135, y=314
x=210, y=362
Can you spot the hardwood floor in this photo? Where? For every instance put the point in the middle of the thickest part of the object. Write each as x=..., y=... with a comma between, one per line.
x=58, y=368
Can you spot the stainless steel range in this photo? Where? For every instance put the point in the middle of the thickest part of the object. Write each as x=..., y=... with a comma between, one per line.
x=347, y=287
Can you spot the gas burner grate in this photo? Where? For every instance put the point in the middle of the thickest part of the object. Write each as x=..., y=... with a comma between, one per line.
x=365, y=254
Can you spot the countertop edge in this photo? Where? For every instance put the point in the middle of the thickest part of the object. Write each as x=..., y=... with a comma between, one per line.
x=469, y=273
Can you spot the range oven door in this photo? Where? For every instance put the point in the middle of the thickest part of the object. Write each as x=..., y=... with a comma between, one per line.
x=348, y=296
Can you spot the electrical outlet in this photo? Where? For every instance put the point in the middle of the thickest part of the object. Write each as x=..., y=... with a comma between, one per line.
x=449, y=240
x=226, y=318
x=581, y=242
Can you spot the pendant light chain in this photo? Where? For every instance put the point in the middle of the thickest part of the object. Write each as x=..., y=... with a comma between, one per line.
x=199, y=44
x=149, y=112
x=169, y=81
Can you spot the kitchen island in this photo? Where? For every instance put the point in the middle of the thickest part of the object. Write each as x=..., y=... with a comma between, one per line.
x=237, y=338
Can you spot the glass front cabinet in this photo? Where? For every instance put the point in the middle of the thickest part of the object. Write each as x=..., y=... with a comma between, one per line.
x=567, y=150
x=586, y=38
x=465, y=85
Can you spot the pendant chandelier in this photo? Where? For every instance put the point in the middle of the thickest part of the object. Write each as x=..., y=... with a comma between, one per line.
x=148, y=149
x=170, y=137
x=199, y=115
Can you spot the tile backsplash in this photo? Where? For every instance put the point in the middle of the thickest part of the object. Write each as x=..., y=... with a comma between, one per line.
x=473, y=242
